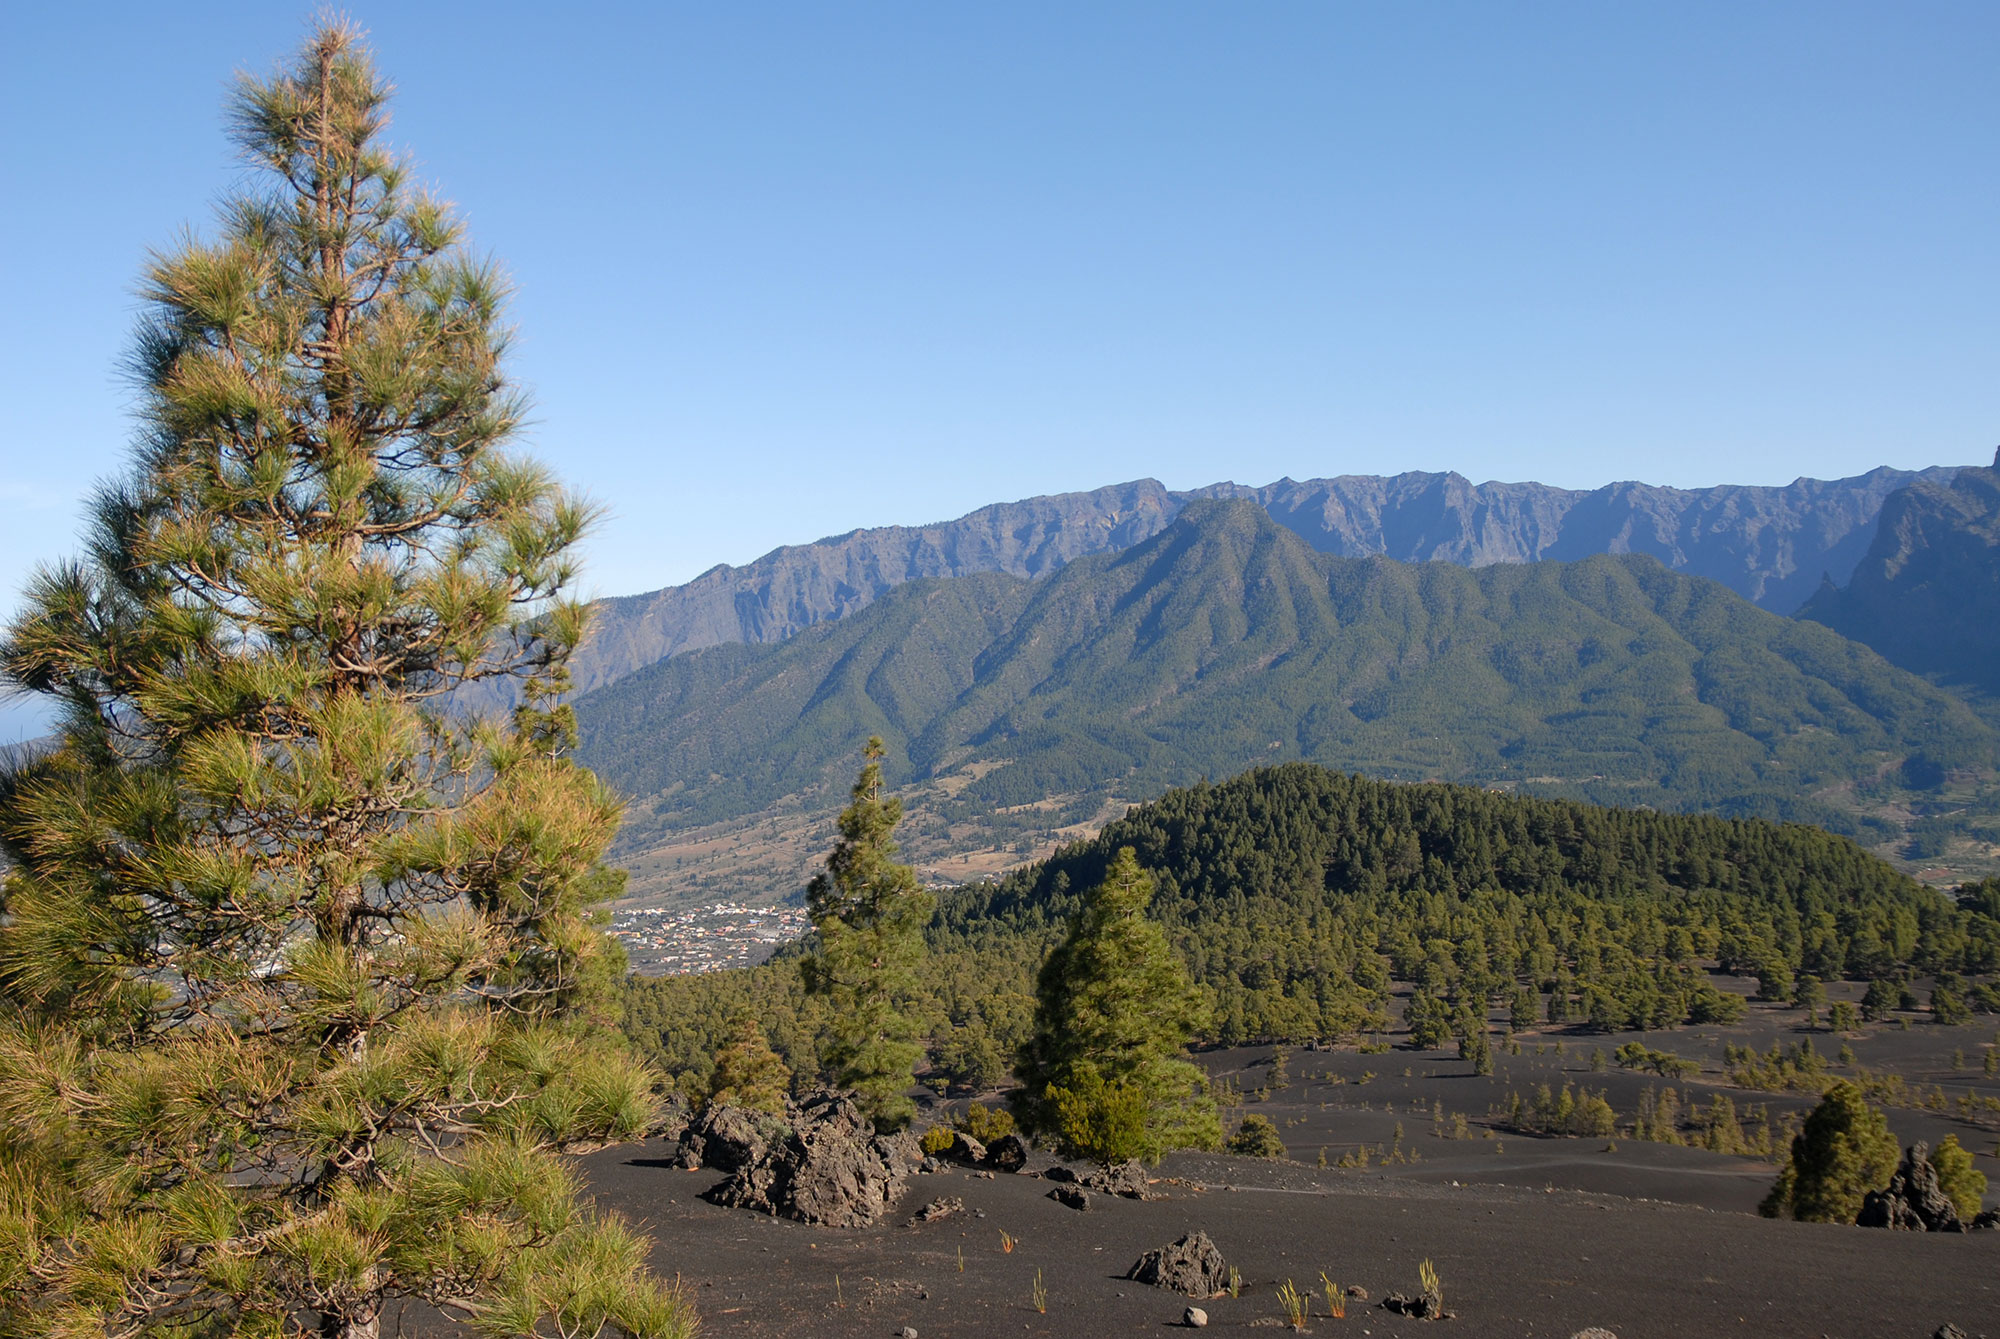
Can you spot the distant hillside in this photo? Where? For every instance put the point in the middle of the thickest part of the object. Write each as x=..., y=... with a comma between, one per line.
x=1282, y=886
x=1927, y=594
x=1018, y=709
x=1298, y=894
x=1770, y=545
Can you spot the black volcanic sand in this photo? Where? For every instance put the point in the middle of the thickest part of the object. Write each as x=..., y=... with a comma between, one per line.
x=1530, y=1236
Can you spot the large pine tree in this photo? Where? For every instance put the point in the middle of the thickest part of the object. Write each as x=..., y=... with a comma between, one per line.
x=1104, y=1072
x=292, y=956
x=870, y=913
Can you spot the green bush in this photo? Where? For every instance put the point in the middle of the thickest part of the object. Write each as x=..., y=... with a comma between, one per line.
x=985, y=1123
x=1957, y=1177
x=1256, y=1137
x=1843, y=1151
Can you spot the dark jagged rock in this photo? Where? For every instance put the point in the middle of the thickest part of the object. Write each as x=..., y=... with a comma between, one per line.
x=1987, y=1221
x=964, y=1148
x=1008, y=1153
x=1192, y=1266
x=1071, y=1197
x=1423, y=1306
x=727, y=1137
x=942, y=1207
x=1913, y=1201
x=1127, y=1180
x=1062, y=1175
x=829, y=1167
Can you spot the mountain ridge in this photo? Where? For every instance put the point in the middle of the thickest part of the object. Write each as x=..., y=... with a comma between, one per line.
x=1770, y=544
x=1021, y=708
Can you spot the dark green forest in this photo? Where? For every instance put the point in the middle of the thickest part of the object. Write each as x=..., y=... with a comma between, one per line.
x=1297, y=894
x=1224, y=642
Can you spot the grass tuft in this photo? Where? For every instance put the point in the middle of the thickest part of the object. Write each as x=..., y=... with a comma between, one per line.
x=1295, y=1305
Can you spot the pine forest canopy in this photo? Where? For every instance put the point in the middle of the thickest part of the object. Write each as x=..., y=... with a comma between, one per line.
x=299, y=991
x=1297, y=894
x=1016, y=707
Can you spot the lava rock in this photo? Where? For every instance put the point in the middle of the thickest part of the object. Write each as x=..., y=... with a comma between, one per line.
x=1912, y=1201
x=1594, y=1332
x=964, y=1148
x=728, y=1137
x=1061, y=1174
x=1071, y=1197
x=1424, y=1306
x=1948, y=1331
x=1192, y=1266
x=1987, y=1221
x=1008, y=1153
x=829, y=1168
x=1194, y=1318
x=942, y=1207
x=1127, y=1179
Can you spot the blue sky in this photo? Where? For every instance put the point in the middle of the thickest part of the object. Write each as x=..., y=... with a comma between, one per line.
x=788, y=270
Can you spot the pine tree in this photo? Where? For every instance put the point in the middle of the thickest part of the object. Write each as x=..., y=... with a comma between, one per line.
x=1958, y=1177
x=870, y=914
x=1104, y=1072
x=748, y=1073
x=296, y=966
x=1843, y=1151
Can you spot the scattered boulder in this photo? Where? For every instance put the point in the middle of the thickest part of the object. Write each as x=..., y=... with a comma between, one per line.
x=1194, y=1318
x=1008, y=1153
x=1424, y=1306
x=964, y=1148
x=942, y=1207
x=1987, y=1221
x=1071, y=1197
x=1912, y=1201
x=1191, y=1266
x=1357, y=1292
x=907, y=1332
x=829, y=1167
x=1948, y=1331
x=1594, y=1332
x=1127, y=1179
x=1061, y=1174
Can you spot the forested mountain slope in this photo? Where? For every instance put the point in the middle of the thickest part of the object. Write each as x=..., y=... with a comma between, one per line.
x=1927, y=594
x=1770, y=545
x=1019, y=707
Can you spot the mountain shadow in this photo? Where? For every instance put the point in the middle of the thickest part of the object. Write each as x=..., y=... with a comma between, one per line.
x=1927, y=593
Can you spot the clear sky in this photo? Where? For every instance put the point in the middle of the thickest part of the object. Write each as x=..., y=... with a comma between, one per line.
x=788, y=270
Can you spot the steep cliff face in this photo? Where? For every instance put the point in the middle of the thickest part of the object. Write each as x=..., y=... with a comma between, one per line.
x=1927, y=594
x=1770, y=545
x=794, y=587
